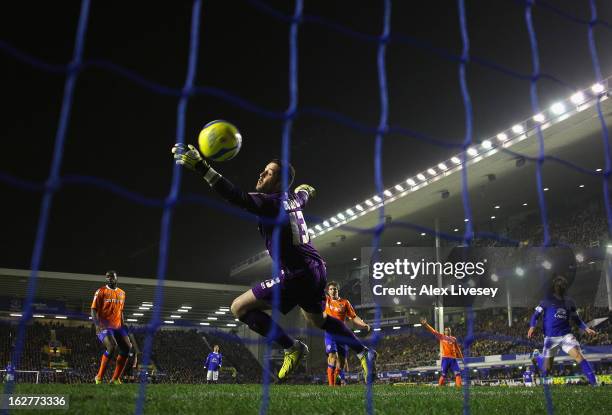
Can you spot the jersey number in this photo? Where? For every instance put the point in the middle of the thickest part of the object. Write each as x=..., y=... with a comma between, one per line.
x=299, y=228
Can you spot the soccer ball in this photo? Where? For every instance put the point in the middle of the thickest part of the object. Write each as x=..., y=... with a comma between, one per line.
x=219, y=140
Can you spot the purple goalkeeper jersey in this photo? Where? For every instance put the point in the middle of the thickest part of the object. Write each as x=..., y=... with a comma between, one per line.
x=295, y=248
x=557, y=314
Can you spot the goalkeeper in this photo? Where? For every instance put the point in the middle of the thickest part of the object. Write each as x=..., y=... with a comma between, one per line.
x=303, y=275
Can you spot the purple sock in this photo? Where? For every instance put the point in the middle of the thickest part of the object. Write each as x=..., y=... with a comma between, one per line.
x=343, y=334
x=261, y=323
x=588, y=371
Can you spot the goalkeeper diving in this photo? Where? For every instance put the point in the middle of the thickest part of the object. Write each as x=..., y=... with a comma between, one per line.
x=303, y=275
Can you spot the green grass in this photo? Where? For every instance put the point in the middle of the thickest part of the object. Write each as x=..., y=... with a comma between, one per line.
x=289, y=399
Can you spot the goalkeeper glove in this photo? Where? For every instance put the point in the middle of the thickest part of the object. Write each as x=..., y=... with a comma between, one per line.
x=306, y=188
x=189, y=157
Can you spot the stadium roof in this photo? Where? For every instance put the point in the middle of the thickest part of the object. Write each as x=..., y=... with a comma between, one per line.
x=76, y=292
x=501, y=183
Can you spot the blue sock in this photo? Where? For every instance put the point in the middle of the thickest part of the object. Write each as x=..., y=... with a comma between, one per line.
x=342, y=374
x=544, y=375
x=339, y=331
x=588, y=371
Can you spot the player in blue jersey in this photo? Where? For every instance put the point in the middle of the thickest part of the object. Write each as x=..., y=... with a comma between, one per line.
x=213, y=363
x=10, y=373
x=303, y=275
x=557, y=311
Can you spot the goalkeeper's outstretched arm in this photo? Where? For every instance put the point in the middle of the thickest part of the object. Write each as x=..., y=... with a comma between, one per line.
x=188, y=156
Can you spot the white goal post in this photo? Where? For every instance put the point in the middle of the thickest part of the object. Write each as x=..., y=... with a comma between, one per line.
x=22, y=376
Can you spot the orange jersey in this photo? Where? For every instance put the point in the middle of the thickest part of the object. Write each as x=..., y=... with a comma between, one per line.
x=109, y=305
x=448, y=344
x=340, y=308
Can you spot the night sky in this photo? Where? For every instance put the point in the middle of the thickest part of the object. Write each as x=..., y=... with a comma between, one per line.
x=122, y=133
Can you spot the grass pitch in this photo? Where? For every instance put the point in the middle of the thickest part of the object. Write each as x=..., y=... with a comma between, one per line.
x=297, y=399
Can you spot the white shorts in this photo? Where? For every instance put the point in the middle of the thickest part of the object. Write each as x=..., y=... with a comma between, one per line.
x=212, y=375
x=552, y=344
x=529, y=384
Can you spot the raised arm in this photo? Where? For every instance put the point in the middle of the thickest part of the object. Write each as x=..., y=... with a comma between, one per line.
x=303, y=193
x=436, y=333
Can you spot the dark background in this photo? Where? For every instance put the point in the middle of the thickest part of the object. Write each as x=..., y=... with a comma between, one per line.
x=123, y=133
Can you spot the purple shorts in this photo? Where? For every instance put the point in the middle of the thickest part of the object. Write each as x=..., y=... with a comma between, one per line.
x=333, y=346
x=304, y=288
x=116, y=333
x=449, y=363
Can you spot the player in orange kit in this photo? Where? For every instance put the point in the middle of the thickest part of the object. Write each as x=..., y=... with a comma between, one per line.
x=107, y=315
x=337, y=352
x=449, y=353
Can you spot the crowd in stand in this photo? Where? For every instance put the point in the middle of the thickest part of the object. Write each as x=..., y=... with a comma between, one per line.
x=397, y=351
x=178, y=356
x=36, y=336
x=584, y=227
